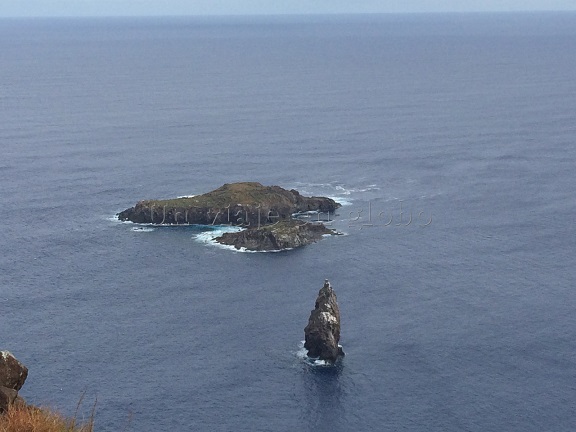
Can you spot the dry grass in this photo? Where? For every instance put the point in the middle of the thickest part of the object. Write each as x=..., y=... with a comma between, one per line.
x=25, y=418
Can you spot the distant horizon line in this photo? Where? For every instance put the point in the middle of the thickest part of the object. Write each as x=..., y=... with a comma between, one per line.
x=294, y=14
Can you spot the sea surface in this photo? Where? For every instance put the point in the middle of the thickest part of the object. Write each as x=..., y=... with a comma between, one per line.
x=450, y=140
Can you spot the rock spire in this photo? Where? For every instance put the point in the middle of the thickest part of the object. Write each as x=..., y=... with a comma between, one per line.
x=322, y=333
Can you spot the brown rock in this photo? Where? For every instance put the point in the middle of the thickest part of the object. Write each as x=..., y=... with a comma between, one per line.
x=12, y=372
x=7, y=397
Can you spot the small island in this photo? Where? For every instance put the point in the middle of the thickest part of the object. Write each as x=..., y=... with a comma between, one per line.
x=269, y=214
x=284, y=235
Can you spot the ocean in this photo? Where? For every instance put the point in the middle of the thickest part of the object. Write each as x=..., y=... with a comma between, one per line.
x=450, y=141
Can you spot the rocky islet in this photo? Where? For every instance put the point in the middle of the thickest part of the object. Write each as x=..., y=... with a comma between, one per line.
x=247, y=204
x=266, y=212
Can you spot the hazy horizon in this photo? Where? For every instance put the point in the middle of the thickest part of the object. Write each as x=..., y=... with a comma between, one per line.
x=86, y=8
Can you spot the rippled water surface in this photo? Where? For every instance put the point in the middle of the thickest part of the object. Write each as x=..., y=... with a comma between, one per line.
x=450, y=140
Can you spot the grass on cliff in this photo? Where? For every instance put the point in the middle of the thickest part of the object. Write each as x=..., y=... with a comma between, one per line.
x=26, y=418
x=246, y=193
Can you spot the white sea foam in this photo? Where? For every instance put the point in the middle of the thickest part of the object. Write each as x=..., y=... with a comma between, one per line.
x=302, y=352
x=341, y=193
x=216, y=231
x=302, y=355
x=142, y=229
x=115, y=219
x=342, y=201
x=305, y=214
x=338, y=233
x=209, y=236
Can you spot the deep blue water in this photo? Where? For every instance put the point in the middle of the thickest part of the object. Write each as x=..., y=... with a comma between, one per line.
x=463, y=121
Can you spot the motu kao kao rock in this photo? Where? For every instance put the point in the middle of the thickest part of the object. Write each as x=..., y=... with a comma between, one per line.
x=322, y=333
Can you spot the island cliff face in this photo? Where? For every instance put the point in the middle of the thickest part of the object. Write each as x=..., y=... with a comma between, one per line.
x=322, y=333
x=248, y=204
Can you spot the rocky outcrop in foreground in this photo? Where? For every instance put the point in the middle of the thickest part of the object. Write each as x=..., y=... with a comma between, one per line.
x=12, y=377
x=284, y=235
x=322, y=333
x=248, y=204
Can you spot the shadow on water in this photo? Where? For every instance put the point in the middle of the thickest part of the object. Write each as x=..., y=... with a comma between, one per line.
x=324, y=394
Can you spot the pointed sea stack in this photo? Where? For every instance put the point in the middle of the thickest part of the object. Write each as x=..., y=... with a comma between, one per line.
x=322, y=333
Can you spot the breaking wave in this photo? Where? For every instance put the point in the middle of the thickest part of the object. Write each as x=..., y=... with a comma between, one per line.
x=212, y=232
x=339, y=192
x=302, y=355
x=209, y=236
x=142, y=229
